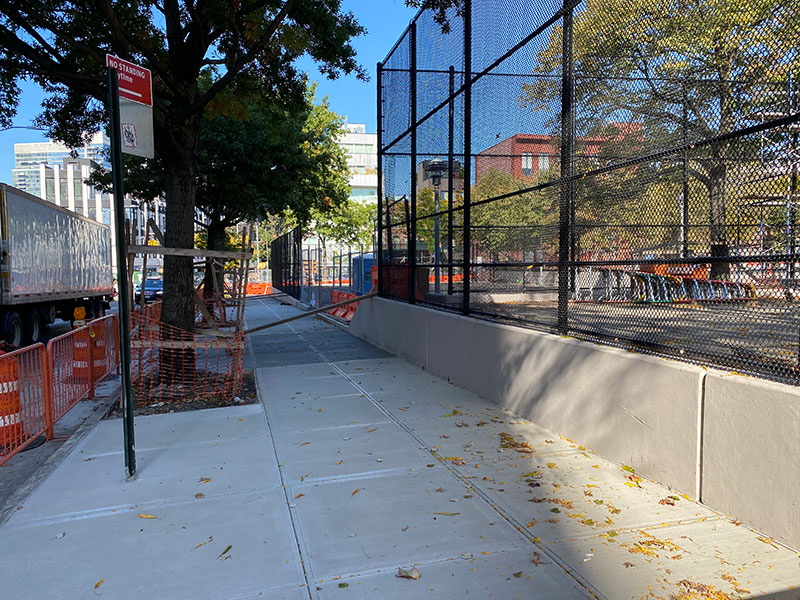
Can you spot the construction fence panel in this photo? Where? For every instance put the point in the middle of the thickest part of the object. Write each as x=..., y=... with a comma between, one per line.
x=24, y=399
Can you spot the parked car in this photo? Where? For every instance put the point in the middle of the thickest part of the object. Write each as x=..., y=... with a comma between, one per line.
x=153, y=290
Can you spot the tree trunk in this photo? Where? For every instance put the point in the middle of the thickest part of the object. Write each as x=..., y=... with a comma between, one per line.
x=216, y=241
x=717, y=216
x=177, y=366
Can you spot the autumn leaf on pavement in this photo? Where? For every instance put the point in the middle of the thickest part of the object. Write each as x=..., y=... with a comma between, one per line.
x=204, y=480
x=99, y=583
x=147, y=516
x=628, y=565
x=537, y=559
x=225, y=552
x=410, y=574
x=356, y=491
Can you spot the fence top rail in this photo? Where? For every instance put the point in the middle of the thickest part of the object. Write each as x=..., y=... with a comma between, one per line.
x=67, y=335
x=20, y=351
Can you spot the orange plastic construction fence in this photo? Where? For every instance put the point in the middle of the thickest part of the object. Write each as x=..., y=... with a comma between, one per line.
x=259, y=289
x=343, y=312
x=172, y=365
x=25, y=409
x=79, y=359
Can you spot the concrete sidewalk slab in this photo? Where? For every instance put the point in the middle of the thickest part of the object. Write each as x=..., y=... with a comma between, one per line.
x=179, y=429
x=507, y=574
x=208, y=481
x=705, y=559
x=393, y=520
x=348, y=451
x=157, y=558
x=323, y=413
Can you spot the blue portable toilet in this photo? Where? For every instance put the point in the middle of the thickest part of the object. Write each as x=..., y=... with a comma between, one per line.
x=361, y=273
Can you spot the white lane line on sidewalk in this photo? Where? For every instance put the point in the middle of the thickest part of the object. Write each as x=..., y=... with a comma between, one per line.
x=281, y=473
x=464, y=481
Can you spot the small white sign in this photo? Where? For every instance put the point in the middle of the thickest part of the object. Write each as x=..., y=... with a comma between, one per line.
x=136, y=128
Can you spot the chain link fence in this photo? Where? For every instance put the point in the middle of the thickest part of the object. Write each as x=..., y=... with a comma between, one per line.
x=622, y=173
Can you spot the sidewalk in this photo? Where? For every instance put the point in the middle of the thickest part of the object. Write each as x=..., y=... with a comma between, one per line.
x=365, y=464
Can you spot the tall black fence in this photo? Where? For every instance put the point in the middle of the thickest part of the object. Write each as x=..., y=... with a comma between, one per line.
x=621, y=173
x=286, y=262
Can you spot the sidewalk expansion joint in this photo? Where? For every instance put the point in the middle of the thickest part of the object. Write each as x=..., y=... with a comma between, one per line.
x=119, y=509
x=282, y=476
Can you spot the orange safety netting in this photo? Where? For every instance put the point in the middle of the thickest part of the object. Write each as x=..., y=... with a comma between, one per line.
x=172, y=365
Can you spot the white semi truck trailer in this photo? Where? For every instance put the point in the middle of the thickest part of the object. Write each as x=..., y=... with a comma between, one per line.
x=52, y=261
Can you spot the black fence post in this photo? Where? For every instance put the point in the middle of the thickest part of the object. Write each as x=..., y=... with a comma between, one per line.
x=567, y=152
x=378, y=260
x=685, y=192
x=450, y=141
x=467, y=151
x=412, y=236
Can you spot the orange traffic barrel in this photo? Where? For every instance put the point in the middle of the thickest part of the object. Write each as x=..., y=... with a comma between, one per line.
x=80, y=357
x=11, y=432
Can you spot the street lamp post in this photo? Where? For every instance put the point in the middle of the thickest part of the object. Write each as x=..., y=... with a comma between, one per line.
x=435, y=169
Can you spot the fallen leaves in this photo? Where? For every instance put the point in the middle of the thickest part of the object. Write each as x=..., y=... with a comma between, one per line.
x=144, y=516
x=440, y=490
x=224, y=554
x=446, y=514
x=693, y=590
x=768, y=541
x=338, y=462
x=344, y=585
x=204, y=480
x=518, y=574
x=532, y=523
x=537, y=559
x=99, y=583
x=355, y=491
x=299, y=496
x=628, y=565
x=199, y=495
x=507, y=441
x=304, y=444
x=201, y=544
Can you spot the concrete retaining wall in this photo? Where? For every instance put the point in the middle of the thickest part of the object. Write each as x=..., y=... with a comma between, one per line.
x=671, y=421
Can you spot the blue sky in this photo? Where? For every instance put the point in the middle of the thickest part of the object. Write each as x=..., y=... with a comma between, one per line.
x=385, y=20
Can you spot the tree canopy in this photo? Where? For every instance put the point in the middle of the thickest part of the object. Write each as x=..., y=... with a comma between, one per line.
x=62, y=47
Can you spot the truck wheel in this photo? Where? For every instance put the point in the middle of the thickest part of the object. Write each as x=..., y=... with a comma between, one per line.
x=34, y=327
x=12, y=330
x=98, y=308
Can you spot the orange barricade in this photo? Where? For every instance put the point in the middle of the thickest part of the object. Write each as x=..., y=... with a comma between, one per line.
x=334, y=299
x=350, y=309
x=259, y=289
x=70, y=369
x=24, y=399
x=73, y=374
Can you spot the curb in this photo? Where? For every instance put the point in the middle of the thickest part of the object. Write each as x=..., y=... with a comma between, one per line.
x=52, y=463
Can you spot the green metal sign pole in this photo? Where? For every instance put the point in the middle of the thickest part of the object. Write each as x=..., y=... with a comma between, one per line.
x=122, y=275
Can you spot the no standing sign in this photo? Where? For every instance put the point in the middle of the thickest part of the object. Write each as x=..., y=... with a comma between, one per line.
x=136, y=106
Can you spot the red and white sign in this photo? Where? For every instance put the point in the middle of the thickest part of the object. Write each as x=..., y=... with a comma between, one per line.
x=135, y=82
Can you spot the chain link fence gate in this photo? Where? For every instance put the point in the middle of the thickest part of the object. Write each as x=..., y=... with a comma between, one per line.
x=622, y=173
